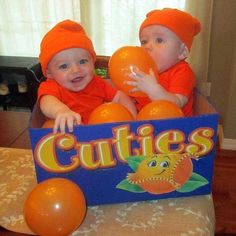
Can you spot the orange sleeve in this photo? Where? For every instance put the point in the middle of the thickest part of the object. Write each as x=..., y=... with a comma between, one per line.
x=108, y=90
x=179, y=80
x=49, y=87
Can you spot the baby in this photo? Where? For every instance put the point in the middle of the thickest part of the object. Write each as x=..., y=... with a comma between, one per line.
x=72, y=90
x=167, y=35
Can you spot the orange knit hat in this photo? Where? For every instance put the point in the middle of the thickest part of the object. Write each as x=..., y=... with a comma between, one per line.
x=66, y=34
x=181, y=23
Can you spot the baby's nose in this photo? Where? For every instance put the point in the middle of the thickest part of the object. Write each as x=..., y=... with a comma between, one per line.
x=75, y=68
x=148, y=46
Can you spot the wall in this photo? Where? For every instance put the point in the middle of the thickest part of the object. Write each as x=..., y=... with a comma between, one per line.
x=222, y=65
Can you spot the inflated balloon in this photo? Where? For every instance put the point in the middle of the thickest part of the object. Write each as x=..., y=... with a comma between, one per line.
x=121, y=63
x=110, y=112
x=55, y=206
x=160, y=109
x=48, y=124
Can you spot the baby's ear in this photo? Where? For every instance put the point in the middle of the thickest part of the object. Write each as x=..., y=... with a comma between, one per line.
x=48, y=73
x=183, y=51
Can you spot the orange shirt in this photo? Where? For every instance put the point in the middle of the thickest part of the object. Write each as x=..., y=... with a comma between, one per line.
x=83, y=102
x=179, y=79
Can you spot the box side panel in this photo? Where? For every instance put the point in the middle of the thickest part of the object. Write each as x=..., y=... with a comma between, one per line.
x=201, y=106
x=99, y=158
x=37, y=118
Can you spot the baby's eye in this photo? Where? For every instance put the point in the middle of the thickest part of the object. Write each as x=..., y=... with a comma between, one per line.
x=159, y=40
x=63, y=66
x=143, y=42
x=83, y=61
x=164, y=164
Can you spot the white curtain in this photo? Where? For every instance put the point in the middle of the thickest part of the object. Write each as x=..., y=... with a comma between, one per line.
x=115, y=23
x=110, y=24
x=24, y=22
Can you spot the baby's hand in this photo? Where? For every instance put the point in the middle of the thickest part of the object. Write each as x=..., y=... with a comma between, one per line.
x=141, y=81
x=66, y=118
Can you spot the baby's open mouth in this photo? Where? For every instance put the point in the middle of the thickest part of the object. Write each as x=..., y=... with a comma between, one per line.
x=77, y=79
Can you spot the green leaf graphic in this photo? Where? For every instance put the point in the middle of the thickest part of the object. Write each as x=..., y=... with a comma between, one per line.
x=125, y=185
x=134, y=161
x=195, y=181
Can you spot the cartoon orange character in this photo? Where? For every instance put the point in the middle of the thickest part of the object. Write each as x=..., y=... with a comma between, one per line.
x=161, y=173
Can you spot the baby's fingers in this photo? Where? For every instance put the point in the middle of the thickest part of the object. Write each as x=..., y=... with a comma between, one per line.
x=55, y=127
x=72, y=121
x=151, y=72
x=70, y=124
x=137, y=72
x=62, y=125
x=133, y=90
x=131, y=83
x=59, y=124
x=77, y=120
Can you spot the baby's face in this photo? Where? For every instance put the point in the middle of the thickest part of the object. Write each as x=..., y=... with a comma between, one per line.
x=163, y=45
x=72, y=68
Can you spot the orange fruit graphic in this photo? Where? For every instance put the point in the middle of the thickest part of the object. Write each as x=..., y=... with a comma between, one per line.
x=162, y=173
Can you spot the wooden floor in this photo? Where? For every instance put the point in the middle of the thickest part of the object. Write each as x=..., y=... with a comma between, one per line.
x=224, y=192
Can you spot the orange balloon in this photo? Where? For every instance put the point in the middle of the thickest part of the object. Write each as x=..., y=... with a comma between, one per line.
x=110, y=112
x=48, y=124
x=123, y=60
x=55, y=207
x=160, y=109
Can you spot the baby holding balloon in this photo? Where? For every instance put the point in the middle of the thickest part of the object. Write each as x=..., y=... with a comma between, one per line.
x=167, y=36
x=72, y=90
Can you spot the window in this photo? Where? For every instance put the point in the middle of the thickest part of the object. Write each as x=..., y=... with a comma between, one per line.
x=110, y=23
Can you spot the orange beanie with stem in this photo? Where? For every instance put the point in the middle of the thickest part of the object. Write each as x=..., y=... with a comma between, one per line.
x=181, y=23
x=66, y=34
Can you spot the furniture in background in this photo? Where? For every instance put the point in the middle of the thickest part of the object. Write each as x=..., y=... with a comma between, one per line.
x=19, y=76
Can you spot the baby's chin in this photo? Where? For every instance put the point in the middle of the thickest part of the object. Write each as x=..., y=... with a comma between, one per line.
x=77, y=87
x=76, y=90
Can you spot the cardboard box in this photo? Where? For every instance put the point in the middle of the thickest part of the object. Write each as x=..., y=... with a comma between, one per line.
x=131, y=161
